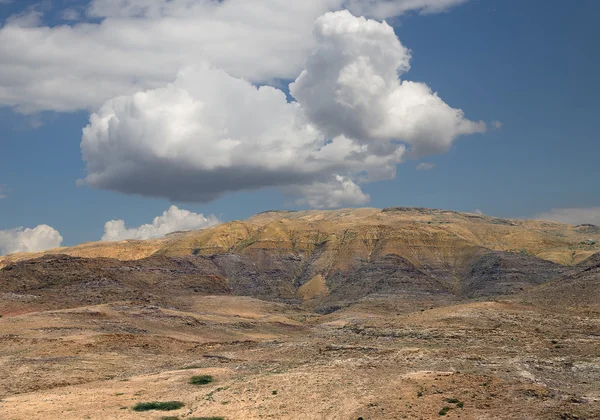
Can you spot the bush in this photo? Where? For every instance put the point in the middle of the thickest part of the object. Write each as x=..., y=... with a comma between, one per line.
x=201, y=380
x=158, y=405
x=444, y=411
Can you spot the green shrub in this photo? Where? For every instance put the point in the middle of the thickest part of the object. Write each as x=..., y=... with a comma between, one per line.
x=158, y=405
x=452, y=400
x=201, y=380
x=444, y=411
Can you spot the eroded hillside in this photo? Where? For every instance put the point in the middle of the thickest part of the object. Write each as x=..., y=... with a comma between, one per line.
x=422, y=236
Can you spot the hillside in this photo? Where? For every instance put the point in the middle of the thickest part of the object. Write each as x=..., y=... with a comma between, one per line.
x=422, y=236
x=578, y=291
x=323, y=260
x=125, y=251
x=349, y=314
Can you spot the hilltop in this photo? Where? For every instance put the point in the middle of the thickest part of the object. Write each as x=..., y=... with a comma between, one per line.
x=416, y=234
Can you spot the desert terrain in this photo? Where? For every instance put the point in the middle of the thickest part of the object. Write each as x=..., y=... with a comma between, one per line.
x=346, y=314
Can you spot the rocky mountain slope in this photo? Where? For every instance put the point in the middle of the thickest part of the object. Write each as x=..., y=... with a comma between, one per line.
x=578, y=290
x=323, y=260
x=422, y=236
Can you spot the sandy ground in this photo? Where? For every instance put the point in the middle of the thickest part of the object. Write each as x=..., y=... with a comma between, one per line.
x=486, y=360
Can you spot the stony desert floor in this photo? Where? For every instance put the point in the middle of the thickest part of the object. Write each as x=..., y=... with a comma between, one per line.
x=373, y=360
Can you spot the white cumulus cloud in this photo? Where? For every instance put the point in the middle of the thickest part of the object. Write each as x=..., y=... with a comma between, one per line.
x=572, y=216
x=350, y=87
x=424, y=166
x=40, y=238
x=172, y=220
x=125, y=46
x=210, y=132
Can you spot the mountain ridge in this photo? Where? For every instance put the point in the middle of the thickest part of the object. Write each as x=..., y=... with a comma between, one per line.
x=323, y=260
x=305, y=230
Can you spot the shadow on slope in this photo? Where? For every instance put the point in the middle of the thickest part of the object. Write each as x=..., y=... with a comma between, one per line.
x=579, y=290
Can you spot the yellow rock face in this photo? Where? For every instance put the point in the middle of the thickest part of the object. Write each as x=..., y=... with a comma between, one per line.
x=314, y=288
x=124, y=251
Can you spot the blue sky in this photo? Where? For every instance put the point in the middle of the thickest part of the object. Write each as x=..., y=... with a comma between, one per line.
x=532, y=65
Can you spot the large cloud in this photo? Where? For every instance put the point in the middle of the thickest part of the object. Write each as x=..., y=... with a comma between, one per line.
x=172, y=220
x=132, y=45
x=351, y=87
x=210, y=132
x=572, y=216
x=40, y=238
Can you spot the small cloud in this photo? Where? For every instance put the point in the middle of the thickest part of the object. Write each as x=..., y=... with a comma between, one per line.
x=497, y=125
x=340, y=191
x=424, y=166
x=477, y=211
x=70, y=14
x=3, y=191
x=39, y=238
x=30, y=18
x=172, y=220
x=35, y=121
x=572, y=216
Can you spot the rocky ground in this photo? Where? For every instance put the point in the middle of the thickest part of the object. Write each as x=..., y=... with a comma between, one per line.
x=482, y=360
